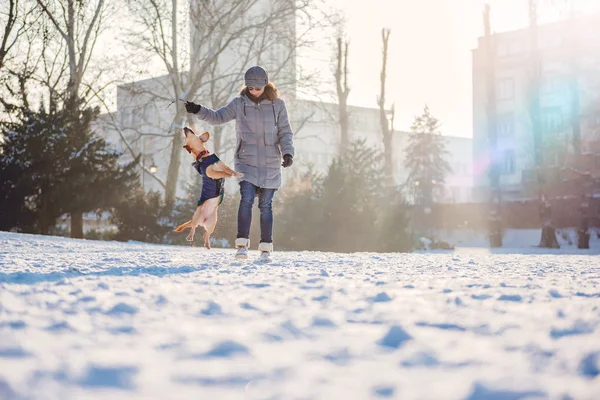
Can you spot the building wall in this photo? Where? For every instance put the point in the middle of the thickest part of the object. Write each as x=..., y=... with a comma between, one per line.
x=569, y=65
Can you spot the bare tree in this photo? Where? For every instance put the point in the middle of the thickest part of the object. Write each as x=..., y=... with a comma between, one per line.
x=495, y=230
x=580, y=168
x=548, y=238
x=205, y=49
x=79, y=27
x=387, y=126
x=78, y=24
x=11, y=31
x=342, y=90
x=19, y=21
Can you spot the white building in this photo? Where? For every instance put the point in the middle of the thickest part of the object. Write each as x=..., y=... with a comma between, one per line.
x=568, y=53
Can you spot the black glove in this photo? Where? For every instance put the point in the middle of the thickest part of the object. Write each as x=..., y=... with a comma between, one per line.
x=287, y=160
x=192, y=107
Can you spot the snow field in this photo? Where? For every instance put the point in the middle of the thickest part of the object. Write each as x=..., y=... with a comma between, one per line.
x=89, y=320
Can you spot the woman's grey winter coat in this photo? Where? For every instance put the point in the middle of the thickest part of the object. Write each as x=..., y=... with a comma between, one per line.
x=263, y=135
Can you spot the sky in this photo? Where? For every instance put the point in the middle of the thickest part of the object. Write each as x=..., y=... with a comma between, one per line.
x=429, y=52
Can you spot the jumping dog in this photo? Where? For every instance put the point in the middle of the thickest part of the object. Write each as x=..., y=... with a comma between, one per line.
x=213, y=172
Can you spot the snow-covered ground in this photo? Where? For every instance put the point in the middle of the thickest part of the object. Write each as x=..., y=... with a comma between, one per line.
x=515, y=239
x=97, y=320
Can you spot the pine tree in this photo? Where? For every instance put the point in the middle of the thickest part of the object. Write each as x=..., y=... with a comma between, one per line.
x=299, y=216
x=15, y=214
x=142, y=217
x=393, y=235
x=348, y=210
x=93, y=176
x=348, y=200
x=33, y=154
x=51, y=172
x=426, y=159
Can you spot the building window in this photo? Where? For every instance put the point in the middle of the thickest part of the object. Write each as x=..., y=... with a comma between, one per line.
x=552, y=84
x=551, y=119
x=509, y=165
x=505, y=89
x=505, y=125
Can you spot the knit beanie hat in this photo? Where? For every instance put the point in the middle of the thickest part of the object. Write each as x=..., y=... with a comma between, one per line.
x=256, y=77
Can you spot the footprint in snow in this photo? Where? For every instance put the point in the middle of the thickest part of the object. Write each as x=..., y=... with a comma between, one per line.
x=248, y=306
x=383, y=391
x=511, y=297
x=380, y=298
x=395, y=338
x=480, y=392
x=59, y=327
x=323, y=322
x=226, y=349
x=120, y=377
x=212, y=308
x=122, y=309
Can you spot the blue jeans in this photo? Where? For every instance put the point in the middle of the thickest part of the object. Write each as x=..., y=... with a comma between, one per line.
x=265, y=204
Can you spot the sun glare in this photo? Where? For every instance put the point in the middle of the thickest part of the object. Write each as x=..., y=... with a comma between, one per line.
x=513, y=14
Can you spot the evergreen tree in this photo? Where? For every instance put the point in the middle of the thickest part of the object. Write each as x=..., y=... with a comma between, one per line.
x=393, y=235
x=93, y=176
x=142, y=217
x=14, y=211
x=349, y=199
x=33, y=155
x=50, y=172
x=299, y=216
x=426, y=159
x=348, y=210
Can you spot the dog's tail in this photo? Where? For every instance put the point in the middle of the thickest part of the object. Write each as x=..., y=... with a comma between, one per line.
x=183, y=226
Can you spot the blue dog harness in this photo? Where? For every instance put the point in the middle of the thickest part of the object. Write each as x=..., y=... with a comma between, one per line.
x=211, y=188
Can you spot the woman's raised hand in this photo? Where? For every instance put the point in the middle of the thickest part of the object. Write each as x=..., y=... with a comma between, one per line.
x=192, y=107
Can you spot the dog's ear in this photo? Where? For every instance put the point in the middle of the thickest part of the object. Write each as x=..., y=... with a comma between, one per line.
x=188, y=148
x=204, y=137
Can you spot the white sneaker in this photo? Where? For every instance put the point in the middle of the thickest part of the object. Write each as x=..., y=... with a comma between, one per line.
x=265, y=251
x=242, y=247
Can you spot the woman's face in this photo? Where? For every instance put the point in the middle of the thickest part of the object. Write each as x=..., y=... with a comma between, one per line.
x=256, y=91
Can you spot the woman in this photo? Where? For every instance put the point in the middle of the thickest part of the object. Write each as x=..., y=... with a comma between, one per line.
x=263, y=138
